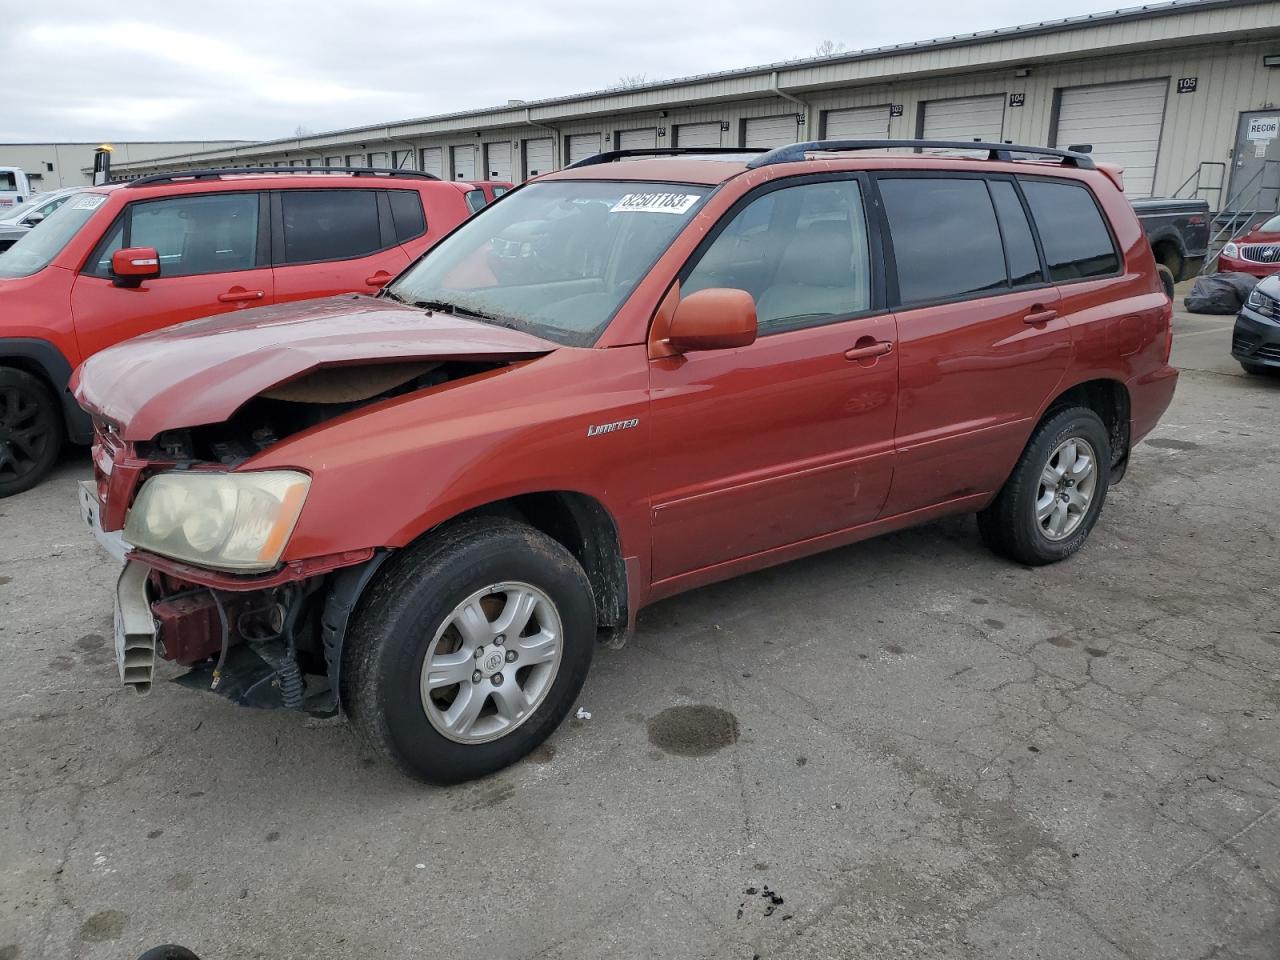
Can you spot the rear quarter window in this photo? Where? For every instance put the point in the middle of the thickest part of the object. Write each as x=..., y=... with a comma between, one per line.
x=406, y=213
x=1077, y=244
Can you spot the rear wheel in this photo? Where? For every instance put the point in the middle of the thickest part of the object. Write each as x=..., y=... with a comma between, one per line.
x=469, y=650
x=1052, y=499
x=30, y=431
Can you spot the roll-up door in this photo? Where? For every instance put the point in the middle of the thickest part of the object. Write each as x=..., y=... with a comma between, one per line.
x=357, y=160
x=772, y=131
x=860, y=123
x=583, y=145
x=382, y=160
x=497, y=161
x=537, y=157
x=431, y=160
x=698, y=135
x=965, y=118
x=645, y=139
x=464, y=162
x=1122, y=121
x=333, y=162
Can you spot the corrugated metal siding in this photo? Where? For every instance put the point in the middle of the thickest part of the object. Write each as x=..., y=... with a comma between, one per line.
x=1223, y=47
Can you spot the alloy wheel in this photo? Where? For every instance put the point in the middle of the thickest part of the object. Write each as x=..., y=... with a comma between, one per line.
x=1067, y=485
x=491, y=662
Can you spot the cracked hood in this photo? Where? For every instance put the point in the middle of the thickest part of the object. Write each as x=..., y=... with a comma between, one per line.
x=203, y=371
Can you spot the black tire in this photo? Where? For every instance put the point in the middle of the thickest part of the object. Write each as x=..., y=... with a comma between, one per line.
x=1167, y=279
x=407, y=605
x=30, y=431
x=1009, y=525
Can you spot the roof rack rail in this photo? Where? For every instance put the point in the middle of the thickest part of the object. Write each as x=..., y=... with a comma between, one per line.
x=995, y=151
x=216, y=173
x=609, y=156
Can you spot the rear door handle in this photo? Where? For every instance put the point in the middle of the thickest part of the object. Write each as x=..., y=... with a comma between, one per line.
x=240, y=296
x=866, y=351
x=379, y=279
x=1039, y=314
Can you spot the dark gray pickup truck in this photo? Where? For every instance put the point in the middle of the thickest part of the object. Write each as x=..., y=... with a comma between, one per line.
x=1179, y=234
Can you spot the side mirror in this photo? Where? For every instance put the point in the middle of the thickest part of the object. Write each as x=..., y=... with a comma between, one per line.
x=33, y=218
x=718, y=318
x=132, y=265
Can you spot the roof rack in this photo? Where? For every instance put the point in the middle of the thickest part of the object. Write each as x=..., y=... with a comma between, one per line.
x=995, y=151
x=609, y=156
x=214, y=174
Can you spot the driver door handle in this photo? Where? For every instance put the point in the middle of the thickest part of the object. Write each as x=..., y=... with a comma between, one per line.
x=379, y=279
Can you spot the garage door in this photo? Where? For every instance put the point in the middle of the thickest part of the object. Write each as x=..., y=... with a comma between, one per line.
x=862, y=123
x=382, y=160
x=645, y=139
x=431, y=160
x=966, y=118
x=771, y=131
x=1122, y=121
x=497, y=161
x=583, y=145
x=698, y=135
x=464, y=162
x=537, y=157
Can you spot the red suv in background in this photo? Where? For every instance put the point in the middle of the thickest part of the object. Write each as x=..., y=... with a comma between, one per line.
x=122, y=260
x=623, y=381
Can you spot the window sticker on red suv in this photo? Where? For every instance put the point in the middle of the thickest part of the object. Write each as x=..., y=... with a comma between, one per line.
x=655, y=203
x=88, y=201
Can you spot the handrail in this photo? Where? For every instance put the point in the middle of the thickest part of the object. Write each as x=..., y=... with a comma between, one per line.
x=1238, y=205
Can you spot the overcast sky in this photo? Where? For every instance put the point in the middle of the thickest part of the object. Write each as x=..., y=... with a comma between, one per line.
x=259, y=69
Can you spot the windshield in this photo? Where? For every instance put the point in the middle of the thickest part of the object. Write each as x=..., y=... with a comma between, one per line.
x=16, y=213
x=1269, y=226
x=555, y=259
x=45, y=241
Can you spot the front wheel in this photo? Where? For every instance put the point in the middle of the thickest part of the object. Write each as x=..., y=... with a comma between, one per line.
x=30, y=431
x=1051, y=501
x=469, y=649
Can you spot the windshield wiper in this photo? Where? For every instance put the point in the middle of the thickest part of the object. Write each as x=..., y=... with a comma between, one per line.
x=444, y=306
x=384, y=292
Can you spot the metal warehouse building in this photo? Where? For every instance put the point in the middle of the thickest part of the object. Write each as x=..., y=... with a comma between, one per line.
x=1183, y=94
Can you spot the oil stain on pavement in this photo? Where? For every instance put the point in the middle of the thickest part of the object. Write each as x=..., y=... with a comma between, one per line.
x=693, y=731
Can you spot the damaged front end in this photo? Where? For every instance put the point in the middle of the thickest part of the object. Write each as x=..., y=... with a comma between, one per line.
x=268, y=644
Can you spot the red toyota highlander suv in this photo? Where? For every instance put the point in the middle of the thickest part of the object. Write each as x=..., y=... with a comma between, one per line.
x=117, y=261
x=623, y=381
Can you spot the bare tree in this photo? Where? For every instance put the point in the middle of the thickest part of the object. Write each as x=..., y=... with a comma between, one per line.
x=630, y=80
x=301, y=131
x=828, y=48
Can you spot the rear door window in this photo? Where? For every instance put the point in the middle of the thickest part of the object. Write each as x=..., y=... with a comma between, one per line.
x=328, y=225
x=475, y=200
x=1076, y=241
x=945, y=239
x=406, y=213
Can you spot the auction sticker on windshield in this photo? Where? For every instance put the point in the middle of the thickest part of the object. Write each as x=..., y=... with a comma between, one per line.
x=88, y=201
x=655, y=203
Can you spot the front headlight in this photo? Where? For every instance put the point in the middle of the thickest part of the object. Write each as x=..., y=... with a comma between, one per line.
x=231, y=521
x=1231, y=250
x=1257, y=298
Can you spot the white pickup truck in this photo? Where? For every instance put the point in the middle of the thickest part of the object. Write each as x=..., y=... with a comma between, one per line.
x=14, y=187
